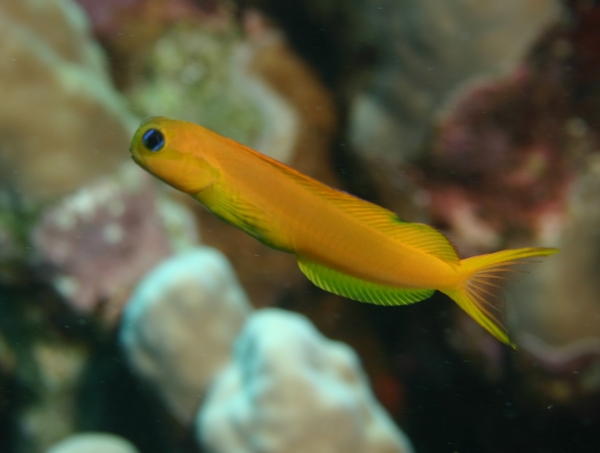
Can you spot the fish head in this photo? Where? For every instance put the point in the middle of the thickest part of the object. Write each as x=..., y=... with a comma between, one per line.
x=172, y=151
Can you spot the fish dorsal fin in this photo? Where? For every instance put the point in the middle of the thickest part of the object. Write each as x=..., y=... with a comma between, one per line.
x=418, y=236
x=357, y=289
x=425, y=238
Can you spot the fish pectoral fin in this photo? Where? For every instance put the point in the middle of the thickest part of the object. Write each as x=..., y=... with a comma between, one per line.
x=357, y=289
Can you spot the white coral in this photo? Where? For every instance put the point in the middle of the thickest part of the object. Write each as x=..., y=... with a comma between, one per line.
x=289, y=389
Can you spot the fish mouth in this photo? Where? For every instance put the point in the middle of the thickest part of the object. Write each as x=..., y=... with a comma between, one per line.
x=138, y=159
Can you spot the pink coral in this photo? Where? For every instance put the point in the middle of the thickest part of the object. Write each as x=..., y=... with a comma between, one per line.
x=100, y=241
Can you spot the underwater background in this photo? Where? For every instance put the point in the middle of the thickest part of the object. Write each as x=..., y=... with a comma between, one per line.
x=133, y=320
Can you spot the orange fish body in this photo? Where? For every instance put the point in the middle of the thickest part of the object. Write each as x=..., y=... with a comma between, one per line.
x=344, y=245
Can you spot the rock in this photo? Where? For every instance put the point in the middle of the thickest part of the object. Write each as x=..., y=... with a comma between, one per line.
x=499, y=176
x=396, y=65
x=290, y=389
x=62, y=123
x=93, y=443
x=300, y=114
x=179, y=326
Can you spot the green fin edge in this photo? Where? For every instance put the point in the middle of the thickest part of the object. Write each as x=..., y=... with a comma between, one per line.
x=360, y=290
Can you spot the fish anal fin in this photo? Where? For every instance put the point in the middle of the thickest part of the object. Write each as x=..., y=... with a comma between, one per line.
x=357, y=289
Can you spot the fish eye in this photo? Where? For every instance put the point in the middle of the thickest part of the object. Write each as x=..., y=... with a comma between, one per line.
x=153, y=140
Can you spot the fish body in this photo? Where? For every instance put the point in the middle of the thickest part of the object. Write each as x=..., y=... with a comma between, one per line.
x=345, y=245
x=293, y=213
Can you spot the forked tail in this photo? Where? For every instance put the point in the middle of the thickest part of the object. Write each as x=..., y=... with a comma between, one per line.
x=480, y=292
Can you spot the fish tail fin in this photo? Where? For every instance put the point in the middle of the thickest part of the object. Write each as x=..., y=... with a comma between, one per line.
x=480, y=293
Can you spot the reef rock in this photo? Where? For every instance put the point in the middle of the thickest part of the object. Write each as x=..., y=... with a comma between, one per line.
x=180, y=324
x=93, y=443
x=61, y=121
x=290, y=389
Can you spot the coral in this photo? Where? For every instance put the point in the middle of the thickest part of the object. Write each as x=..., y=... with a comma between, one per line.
x=61, y=121
x=93, y=443
x=180, y=323
x=290, y=389
x=99, y=241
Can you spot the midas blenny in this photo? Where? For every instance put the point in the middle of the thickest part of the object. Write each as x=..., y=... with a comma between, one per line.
x=344, y=245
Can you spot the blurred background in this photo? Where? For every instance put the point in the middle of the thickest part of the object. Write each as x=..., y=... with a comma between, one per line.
x=132, y=320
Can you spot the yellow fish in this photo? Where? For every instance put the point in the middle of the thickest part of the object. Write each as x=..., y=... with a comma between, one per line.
x=344, y=245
